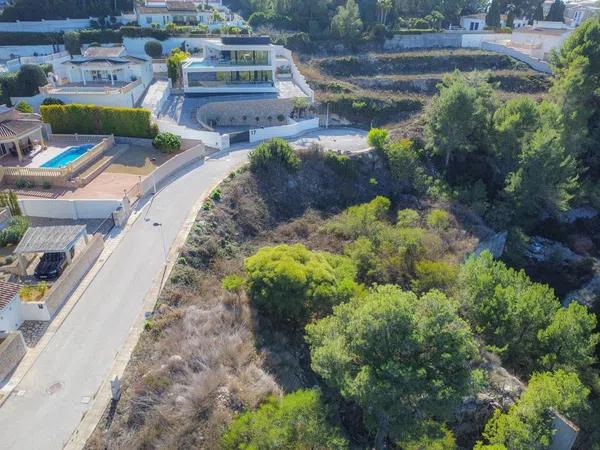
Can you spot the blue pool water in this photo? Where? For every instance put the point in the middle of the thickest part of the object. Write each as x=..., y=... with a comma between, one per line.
x=68, y=156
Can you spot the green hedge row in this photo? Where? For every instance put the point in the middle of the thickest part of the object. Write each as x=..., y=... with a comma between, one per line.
x=106, y=36
x=92, y=119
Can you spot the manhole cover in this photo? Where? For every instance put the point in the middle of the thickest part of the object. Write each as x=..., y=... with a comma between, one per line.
x=54, y=388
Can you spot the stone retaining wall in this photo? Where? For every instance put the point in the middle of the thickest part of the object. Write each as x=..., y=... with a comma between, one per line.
x=12, y=350
x=245, y=112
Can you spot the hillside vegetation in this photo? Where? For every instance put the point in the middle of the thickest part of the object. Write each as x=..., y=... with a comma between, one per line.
x=392, y=88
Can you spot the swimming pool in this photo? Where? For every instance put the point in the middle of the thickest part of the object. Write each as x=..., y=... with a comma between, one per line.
x=68, y=156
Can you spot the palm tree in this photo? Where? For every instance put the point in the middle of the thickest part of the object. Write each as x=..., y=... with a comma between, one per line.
x=384, y=7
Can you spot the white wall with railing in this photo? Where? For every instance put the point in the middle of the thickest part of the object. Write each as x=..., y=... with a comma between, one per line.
x=55, y=58
x=298, y=78
x=69, y=209
x=14, y=51
x=291, y=129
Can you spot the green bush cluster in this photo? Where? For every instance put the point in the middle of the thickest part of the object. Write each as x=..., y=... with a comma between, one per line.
x=363, y=108
x=274, y=153
x=92, y=119
x=167, y=142
x=9, y=199
x=30, y=38
x=23, y=83
x=12, y=234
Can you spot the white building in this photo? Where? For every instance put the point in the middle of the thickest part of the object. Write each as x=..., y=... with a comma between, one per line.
x=105, y=76
x=577, y=12
x=159, y=14
x=11, y=317
x=473, y=22
x=232, y=65
x=104, y=65
x=476, y=22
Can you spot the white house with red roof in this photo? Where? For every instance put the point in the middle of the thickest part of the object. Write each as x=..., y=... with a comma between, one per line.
x=11, y=316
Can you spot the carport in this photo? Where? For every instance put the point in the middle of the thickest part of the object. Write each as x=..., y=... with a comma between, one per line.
x=53, y=239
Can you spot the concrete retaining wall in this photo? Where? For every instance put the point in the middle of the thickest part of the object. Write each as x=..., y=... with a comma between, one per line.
x=536, y=64
x=290, y=130
x=35, y=311
x=69, y=209
x=228, y=113
x=12, y=350
x=162, y=173
x=74, y=273
x=440, y=40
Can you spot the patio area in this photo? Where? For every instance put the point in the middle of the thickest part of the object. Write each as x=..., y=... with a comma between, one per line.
x=54, y=147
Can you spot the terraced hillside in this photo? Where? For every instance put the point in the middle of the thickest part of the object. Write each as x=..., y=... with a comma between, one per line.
x=392, y=88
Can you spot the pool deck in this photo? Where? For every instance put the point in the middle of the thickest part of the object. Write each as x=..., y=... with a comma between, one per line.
x=40, y=157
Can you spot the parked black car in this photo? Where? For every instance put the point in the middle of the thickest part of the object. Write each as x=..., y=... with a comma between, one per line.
x=50, y=266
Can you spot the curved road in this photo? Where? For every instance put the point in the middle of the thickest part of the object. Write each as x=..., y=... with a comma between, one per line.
x=54, y=394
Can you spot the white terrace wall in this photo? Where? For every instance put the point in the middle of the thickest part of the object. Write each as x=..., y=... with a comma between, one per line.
x=123, y=100
x=50, y=26
x=135, y=46
x=69, y=209
x=536, y=64
x=441, y=40
x=162, y=173
x=13, y=51
x=290, y=130
x=74, y=273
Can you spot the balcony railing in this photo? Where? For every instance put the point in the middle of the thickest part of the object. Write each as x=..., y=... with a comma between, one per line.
x=202, y=83
x=81, y=89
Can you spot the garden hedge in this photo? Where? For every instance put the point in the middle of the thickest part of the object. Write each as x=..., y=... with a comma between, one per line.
x=92, y=119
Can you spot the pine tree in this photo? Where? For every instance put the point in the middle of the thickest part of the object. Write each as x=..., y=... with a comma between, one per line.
x=492, y=19
x=557, y=12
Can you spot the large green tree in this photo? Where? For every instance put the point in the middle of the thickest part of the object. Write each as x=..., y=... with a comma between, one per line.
x=459, y=121
x=546, y=179
x=292, y=283
x=492, y=19
x=528, y=423
x=576, y=90
x=297, y=421
x=402, y=358
x=347, y=23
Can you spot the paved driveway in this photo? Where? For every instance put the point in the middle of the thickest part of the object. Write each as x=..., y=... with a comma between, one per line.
x=343, y=139
x=54, y=394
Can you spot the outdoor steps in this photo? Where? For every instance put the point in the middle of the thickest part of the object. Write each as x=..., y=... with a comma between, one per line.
x=98, y=167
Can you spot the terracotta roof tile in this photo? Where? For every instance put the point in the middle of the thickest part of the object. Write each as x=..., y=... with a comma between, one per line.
x=7, y=293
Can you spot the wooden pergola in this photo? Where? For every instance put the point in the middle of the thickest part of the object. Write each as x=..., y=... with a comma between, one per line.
x=15, y=135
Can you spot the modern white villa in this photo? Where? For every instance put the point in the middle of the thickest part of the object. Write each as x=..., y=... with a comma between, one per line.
x=102, y=76
x=232, y=65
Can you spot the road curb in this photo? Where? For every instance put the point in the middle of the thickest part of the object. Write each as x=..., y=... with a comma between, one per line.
x=102, y=397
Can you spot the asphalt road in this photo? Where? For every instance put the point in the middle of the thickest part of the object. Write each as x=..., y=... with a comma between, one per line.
x=55, y=393
x=56, y=390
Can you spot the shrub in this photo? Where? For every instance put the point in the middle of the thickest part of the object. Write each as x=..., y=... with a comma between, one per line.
x=33, y=292
x=24, y=107
x=29, y=78
x=9, y=200
x=233, y=284
x=276, y=152
x=434, y=275
x=154, y=49
x=21, y=183
x=297, y=421
x=167, y=142
x=72, y=42
x=408, y=218
x=293, y=283
x=378, y=138
x=16, y=228
x=92, y=119
x=438, y=219
x=52, y=101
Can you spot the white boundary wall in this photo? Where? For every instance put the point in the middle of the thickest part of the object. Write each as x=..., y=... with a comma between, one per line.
x=283, y=131
x=12, y=51
x=536, y=64
x=49, y=26
x=69, y=209
x=476, y=40
x=170, y=167
x=296, y=75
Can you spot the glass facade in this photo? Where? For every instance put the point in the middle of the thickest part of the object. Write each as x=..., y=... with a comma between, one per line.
x=245, y=57
x=215, y=79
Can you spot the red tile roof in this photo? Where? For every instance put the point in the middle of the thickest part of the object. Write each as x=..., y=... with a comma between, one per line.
x=7, y=293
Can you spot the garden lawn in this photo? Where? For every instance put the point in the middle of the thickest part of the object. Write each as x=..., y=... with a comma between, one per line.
x=138, y=161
